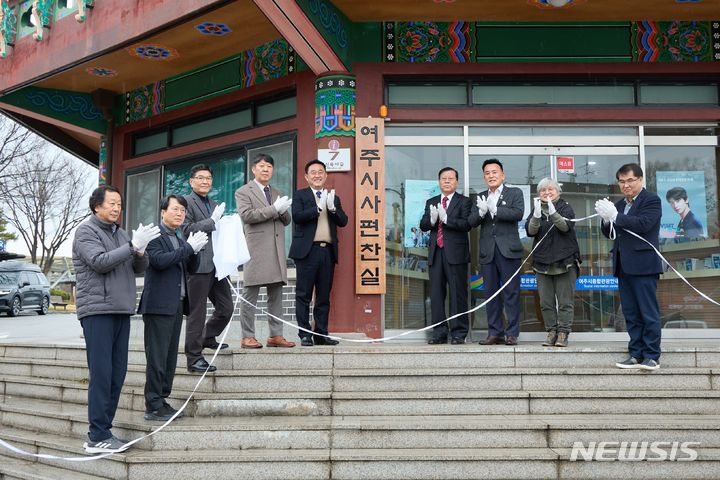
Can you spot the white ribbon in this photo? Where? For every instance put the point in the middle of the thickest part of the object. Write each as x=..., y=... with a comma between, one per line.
x=133, y=442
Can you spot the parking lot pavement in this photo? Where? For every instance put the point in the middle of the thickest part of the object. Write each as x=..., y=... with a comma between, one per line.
x=33, y=328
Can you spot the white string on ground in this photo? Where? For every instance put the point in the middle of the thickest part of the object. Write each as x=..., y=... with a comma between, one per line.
x=133, y=442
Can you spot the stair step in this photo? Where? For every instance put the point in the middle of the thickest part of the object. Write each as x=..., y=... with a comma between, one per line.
x=18, y=469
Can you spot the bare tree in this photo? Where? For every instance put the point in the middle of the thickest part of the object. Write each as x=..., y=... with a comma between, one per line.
x=43, y=200
x=16, y=142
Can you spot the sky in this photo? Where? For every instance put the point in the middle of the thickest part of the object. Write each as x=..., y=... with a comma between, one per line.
x=18, y=246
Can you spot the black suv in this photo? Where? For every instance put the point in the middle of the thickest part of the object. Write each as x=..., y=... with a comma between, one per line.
x=23, y=286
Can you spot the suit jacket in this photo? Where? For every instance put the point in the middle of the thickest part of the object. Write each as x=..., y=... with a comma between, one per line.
x=265, y=235
x=197, y=219
x=164, y=276
x=501, y=231
x=455, y=232
x=305, y=216
x=637, y=257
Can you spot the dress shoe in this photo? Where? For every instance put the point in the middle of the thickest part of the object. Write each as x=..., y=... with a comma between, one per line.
x=437, y=341
x=325, y=341
x=279, y=341
x=200, y=366
x=306, y=341
x=457, y=341
x=210, y=342
x=492, y=340
x=510, y=340
x=250, y=342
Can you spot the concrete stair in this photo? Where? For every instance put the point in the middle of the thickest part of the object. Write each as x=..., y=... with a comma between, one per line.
x=373, y=412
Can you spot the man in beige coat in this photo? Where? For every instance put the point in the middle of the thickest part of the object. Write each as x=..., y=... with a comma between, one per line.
x=264, y=214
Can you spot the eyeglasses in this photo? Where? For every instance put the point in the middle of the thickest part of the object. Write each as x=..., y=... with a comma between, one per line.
x=203, y=179
x=628, y=181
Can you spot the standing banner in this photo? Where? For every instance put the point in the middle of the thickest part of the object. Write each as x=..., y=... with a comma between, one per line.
x=369, y=206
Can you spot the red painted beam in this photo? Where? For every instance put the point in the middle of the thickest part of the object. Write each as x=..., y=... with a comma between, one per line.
x=110, y=25
x=298, y=30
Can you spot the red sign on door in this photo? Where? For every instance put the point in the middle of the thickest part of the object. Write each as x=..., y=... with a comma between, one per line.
x=566, y=164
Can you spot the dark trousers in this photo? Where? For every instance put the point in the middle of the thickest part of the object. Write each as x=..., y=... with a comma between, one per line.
x=638, y=297
x=314, y=272
x=162, y=335
x=495, y=274
x=106, y=345
x=201, y=287
x=443, y=277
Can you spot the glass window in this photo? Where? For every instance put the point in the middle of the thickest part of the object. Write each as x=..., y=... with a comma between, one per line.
x=142, y=199
x=427, y=94
x=553, y=95
x=683, y=94
x=151, y=143
x=268, y=112
x=411, y=177
x=228, y=175
x=685, y=178
x=213, y=126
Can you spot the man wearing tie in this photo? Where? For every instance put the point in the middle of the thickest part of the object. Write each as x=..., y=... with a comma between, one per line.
x=499, y=209
x=316, y=214
x=636, y=264
x=264, y=214
x=446, y=217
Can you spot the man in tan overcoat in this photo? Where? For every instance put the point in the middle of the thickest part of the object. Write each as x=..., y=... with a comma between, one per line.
x=264, y=214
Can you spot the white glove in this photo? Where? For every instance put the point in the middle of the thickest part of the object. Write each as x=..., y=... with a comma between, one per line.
x=492, y=208
x=442, y=213
x=283, y=203
x=331, y=200
x=606, y=209
x=537, y=208
x=433, y=214
x=218, y=212
x=482, y=205
x=197, y=240
x=144, y=235
x=551, y=207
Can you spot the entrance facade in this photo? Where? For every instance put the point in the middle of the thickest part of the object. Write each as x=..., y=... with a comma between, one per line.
x=583, y=159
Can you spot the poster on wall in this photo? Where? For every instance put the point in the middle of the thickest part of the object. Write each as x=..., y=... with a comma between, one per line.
x=417, y=192
x=684, y=209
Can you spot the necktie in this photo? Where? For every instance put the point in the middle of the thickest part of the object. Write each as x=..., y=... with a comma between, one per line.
x=318, y=194
x=628, y=206
x=267, y=194
x=440, y=236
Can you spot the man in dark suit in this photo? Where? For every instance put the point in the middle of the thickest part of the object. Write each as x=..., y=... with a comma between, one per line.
x=316, y=215
x=202, y=213
x=446, y=217
x=163, y=303
x=498, y=211
x=636, y=264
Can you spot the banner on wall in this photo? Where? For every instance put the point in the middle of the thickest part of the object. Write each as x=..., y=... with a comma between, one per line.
x=417, y=192
x=684, y=209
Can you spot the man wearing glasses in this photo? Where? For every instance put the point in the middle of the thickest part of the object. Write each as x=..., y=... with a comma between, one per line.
x=202, y=214
x=636, y=264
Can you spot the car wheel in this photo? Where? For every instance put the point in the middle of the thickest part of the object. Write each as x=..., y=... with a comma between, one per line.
x=45, y=306
x=14, y=307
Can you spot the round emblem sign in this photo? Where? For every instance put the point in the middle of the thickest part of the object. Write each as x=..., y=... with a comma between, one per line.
x=334, y=145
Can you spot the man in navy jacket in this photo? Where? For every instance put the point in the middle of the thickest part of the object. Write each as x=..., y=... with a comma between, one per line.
x=316, y=215
x=636, y=264
x=163, y=302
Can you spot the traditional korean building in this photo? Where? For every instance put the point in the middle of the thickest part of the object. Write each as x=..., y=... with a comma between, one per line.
x=568, y=89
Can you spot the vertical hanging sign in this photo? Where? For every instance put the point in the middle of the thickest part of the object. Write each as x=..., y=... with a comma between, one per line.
x=370, y=206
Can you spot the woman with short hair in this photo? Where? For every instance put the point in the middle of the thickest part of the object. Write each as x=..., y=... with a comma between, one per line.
x=556, y=261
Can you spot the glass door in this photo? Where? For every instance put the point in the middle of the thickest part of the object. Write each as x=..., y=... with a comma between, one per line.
x=585, y=175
